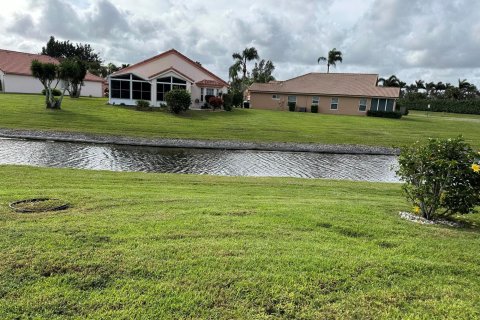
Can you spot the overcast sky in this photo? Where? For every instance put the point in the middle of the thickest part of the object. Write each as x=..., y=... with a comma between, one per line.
x=429, y=40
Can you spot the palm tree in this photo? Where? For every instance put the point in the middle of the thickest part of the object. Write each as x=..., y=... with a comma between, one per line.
x=248, y=54
x=333, y=56
x=392, y=81
x=429, y=87
x=234, y=70
x=419, y=84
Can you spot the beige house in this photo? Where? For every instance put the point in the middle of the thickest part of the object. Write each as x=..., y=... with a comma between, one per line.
x=334, y=93
x=151, y=79
x=16, y=77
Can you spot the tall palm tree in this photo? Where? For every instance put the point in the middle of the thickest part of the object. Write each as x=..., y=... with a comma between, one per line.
x=234, y=70
x=333, y=56
x=248, y=54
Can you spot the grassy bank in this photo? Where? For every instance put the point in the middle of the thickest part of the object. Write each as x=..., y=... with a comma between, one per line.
x=94, y=116
x=147, y=246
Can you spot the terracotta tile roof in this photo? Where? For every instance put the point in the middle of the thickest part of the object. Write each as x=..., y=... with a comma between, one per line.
x=335, y=84
x=175, y=52
x=209, y=83
x=13, y=62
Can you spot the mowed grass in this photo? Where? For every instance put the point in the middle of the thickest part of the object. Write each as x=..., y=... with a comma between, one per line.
x=160, y=246
x=92, y=115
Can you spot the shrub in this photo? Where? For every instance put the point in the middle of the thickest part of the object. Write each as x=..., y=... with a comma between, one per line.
x=291, y=106
x=443, y=105
x=227, y=101
x=55, y=92
x=208, y=96
x=314, y=108
x=215, y=102
x=237, y=98
x=178, y=100
x=442, y=177
x=384, y=114
x=143, y=105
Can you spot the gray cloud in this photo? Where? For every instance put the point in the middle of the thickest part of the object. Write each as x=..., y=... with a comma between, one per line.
x=431, y=40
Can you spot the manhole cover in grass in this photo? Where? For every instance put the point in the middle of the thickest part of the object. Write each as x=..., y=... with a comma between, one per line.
x=39, y=205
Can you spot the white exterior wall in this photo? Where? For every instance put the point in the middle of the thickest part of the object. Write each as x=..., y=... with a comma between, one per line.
x=22, y=84
x=27, y=84
x=92, y=88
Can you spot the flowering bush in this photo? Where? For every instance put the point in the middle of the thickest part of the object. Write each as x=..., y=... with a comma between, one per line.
x=215, y=102
x=442, y=177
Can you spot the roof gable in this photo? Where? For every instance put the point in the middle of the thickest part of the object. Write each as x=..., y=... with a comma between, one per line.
x=170, y=59
x=18, y=63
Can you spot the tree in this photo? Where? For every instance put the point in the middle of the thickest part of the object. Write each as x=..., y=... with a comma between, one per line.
x=334, y=56
x=66, y=49
x=430, y=88
x=73, y=72
x=262, y=72
x=248, y=54
x=391, y=81
x=50, y=75
x=419, y=84
x=47, y=74
x=442, y=177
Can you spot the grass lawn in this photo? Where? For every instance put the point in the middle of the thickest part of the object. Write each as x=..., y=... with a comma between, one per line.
x=92, y=115
x=159, y=246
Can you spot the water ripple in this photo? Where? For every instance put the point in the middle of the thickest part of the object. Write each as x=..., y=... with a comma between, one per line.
x=199, y=161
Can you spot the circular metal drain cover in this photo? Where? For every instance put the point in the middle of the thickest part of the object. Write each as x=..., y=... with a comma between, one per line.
x=39, y=205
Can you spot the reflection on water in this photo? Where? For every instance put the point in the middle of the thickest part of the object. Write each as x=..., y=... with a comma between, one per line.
x=199, y=161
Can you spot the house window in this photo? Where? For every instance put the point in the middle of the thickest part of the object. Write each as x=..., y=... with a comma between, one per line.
x=141, y=90
x=202, y=91
x=362, y=106
x=167, y=84
x=382, y=105
x=334, y=104
x=292, y=99
x=210, y=92
x=275, y=97
x=315, y=100
x=120, y=88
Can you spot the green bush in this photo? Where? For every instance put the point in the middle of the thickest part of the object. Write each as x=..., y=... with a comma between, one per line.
x=291, y=106
x=55, y=92
x=443, y=105
x=143, y=105
x=237, y=98
x=442, y=177
x=314, y=108
x=227, y=101
x=178, y=100
x=384, y=114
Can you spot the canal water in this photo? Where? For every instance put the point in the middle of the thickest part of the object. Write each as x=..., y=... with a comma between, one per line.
x=379, y=168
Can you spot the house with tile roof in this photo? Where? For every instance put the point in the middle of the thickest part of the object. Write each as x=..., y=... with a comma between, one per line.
x=152, y=78
x=333, y=93
x=16, y=77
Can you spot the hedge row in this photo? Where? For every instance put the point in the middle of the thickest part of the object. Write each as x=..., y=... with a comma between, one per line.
x=384, y=114
x=453, y=106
